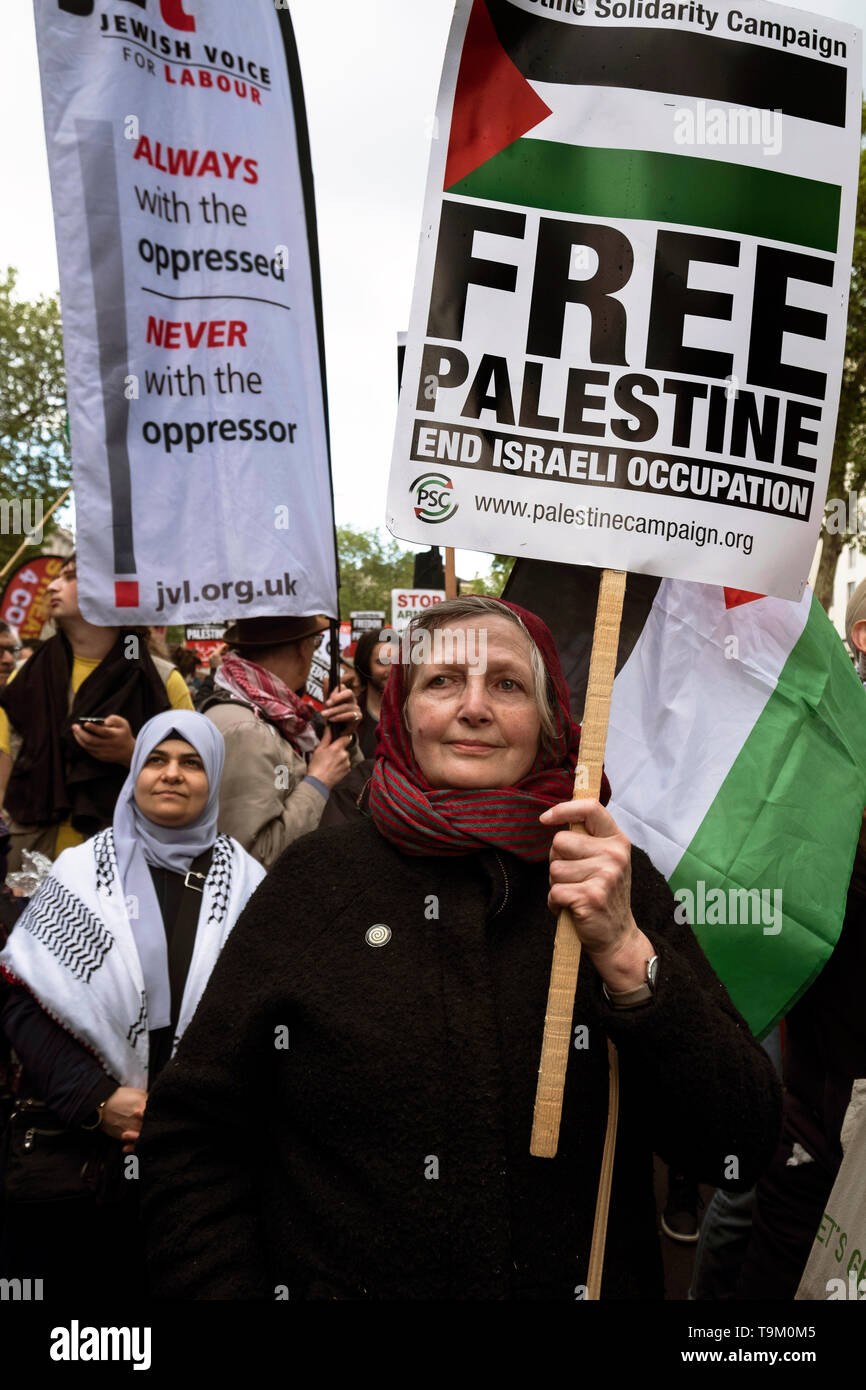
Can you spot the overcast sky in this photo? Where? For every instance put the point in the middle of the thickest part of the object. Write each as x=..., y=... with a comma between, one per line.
x=371, y=73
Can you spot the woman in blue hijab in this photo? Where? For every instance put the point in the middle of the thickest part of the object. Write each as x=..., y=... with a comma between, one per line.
x=103, y=972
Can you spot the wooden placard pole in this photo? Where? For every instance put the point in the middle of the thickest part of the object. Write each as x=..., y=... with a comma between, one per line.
x=566, y=951
x=450, y=573
x=27, y=541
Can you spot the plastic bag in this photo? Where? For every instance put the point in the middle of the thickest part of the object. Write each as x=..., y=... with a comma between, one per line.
x=26, y=880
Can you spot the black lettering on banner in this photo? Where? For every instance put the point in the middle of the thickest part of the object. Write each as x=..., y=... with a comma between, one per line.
x=530, y=419
x=432, y=376
x=773, y=317
x=597, y=465
x=492, y=371
x=672, y=301
x=553, y=289
x=794, y=435
x=685, y=394
x=577, y=401
x=646, y=419
x=457, y=268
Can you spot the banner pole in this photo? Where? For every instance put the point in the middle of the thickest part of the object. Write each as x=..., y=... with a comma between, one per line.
x=566, y=950
x=27, y=541
x=450, y=573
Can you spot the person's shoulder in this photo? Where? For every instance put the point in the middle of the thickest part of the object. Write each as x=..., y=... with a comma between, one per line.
x=177, y=690
x=231, y=714
x=73, y=862
x=164, y=668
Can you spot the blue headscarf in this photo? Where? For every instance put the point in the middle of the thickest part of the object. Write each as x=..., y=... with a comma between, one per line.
x=139, y=842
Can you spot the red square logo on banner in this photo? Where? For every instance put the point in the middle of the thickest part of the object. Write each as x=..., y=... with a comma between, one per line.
x=126, y=593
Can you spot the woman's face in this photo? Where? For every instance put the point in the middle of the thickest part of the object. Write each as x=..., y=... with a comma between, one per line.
x=475, y=725
x=379, y=670
x=172, y=787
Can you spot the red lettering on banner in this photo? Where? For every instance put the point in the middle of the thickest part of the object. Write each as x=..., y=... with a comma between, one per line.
x=165, y=333
x=174, y=14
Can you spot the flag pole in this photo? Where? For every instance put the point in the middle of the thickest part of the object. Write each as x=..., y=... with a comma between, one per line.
x=566, y=950
x=450, y=573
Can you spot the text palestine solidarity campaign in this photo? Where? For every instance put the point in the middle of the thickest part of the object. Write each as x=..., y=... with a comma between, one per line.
x=704, y=17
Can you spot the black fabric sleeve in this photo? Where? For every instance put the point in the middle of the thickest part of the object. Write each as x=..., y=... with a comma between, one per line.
x=61, y=1072
x=206, y=1129
x=709, y=1097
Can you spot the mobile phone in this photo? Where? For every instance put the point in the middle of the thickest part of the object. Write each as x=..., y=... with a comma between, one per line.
x=92, y=719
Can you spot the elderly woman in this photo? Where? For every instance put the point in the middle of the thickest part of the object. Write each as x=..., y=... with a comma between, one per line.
x=104, y=971
x=349, y=1114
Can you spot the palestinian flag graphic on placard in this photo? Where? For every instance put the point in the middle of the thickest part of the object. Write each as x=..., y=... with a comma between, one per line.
x=536, y=122
x=737, y=757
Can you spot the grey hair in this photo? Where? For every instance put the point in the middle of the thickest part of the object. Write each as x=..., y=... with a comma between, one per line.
x=475, y=606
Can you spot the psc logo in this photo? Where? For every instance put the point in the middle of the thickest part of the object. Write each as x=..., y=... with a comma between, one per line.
x=434, y=497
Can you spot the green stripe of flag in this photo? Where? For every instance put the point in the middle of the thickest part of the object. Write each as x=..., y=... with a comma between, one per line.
x=819, y=695
x=685, y=189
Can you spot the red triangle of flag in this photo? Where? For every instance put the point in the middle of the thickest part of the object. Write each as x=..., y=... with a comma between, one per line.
x=734, y=597
x=493, y=104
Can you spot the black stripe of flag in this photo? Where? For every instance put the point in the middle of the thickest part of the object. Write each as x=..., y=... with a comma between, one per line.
x=671, y=60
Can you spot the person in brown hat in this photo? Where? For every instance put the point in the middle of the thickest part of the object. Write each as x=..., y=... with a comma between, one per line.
x=278, y=772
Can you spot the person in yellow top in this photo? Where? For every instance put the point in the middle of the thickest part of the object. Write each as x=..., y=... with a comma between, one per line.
x=60, y=773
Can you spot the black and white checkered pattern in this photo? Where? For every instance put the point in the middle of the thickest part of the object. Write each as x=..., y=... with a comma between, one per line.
x=67, y=928
x=106, y=860
x=219, y=880
x=139, y=1026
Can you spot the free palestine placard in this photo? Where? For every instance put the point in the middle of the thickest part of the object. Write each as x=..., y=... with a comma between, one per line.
x=626, y=339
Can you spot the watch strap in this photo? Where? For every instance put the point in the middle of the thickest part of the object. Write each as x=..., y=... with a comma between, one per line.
x=630, y=998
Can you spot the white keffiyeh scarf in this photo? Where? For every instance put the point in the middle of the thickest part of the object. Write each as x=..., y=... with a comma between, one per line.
x=73, y=948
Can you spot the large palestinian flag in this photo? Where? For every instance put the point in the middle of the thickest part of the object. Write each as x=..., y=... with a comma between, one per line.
x=737, y=758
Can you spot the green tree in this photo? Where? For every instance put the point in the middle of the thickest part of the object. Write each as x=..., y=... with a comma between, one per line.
x=493, y=582
x=370, y=567
x=35, y=463
x=848, y=467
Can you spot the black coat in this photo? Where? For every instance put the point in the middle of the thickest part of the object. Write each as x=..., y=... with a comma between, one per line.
x=384, y=1153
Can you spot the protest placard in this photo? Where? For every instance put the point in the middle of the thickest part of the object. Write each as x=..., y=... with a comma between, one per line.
x=25, y=597
x=630, y=304
x=407, y=604
x=185, y=223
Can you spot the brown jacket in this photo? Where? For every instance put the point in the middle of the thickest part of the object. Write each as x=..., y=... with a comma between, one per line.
x=265, y=803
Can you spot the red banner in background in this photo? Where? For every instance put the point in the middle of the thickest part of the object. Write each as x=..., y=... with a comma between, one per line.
x=25, y=598
x=204, y=641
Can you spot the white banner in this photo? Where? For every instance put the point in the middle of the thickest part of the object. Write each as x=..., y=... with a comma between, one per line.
x=407, y=604
x=629, y=315
x=183, y=209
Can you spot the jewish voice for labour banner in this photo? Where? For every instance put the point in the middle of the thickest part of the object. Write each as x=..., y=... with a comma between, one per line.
x=183, y=208
x=629, y=313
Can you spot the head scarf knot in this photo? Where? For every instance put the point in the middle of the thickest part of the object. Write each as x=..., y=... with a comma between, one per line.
x=421, y=819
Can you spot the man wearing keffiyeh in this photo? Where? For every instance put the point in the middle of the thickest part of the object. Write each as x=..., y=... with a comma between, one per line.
x=279, y=773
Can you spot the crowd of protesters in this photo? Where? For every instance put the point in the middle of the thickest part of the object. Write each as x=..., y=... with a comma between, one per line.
x=272, y=1016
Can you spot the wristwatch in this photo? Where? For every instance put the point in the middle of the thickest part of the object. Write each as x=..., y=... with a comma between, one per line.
x=631, y=998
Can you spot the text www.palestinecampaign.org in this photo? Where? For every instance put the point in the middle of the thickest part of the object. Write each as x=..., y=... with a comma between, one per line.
x=596, y=517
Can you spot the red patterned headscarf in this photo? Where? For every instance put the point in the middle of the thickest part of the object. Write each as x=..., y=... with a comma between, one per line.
x=420, y=819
